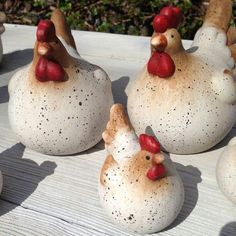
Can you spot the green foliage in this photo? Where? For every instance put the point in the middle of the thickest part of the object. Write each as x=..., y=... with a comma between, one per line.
x=117, y=16
x=128, y=16
x=40, y=3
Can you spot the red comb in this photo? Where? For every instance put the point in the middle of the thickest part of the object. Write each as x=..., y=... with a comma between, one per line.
x=45, y=31
x=169, y=17
x=149, y=143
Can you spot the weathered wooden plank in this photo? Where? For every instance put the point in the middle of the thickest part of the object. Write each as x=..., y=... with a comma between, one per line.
x=16, y=220
x=71, y=192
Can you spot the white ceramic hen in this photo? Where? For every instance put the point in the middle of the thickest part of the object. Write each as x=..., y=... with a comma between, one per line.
x=59, y=104
x=2, y=29
x=226, y=171
x=194, y=108
x=139, y=187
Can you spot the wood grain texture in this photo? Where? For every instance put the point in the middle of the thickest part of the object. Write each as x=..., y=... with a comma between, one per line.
x=22, y=221
x=50, y=195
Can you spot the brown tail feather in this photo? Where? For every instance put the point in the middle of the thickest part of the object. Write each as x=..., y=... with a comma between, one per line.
x=3, y=17
x=233, y=51
x=62, y=28
x=118, y=120
x=219, y=14
x=231, y=35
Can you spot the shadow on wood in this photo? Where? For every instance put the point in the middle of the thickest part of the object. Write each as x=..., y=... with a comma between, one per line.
x=20, y=176
x=225, y=141
x=118, y=90
x=16, y=59
x=229, y=229
x=4, y=95
x=191, y=177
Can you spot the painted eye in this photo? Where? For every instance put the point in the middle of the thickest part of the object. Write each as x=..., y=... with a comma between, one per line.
x=148, y=158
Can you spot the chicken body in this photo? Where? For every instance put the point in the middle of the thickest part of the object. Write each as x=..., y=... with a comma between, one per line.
x=130, y=198
x=194, y=109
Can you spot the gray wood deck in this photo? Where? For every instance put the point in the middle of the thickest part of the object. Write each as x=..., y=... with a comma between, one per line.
x=49, y=195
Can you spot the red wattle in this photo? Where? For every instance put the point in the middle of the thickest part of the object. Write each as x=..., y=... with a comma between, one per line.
x=47, y=70
x=156, y=172
x=149, y=143
x=161, y=65
x=55, y=72
x=41, y=70
x=45, y=31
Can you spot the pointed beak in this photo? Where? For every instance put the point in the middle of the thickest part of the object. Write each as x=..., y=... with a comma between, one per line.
x=158, y=42
x=43, y=49
x=158, y=158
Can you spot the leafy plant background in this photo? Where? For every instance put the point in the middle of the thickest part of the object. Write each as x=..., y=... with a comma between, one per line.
x=114, y=16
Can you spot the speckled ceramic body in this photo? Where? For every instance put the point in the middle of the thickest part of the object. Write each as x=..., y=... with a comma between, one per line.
x=226, y=171
x=194, y=109
x=137, y=204
x=60, y=118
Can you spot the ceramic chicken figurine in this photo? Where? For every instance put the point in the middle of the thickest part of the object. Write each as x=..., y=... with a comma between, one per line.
x=226, y=171
x=2, y=29
x=59, y=104
x=139, y=187
x=187, y=98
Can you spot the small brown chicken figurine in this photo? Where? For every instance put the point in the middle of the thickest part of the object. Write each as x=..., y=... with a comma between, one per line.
x=139, y=187
x=187, y=97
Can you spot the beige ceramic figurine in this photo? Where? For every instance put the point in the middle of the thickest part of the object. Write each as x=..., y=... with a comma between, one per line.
x=187, y=98
x=59, y=104
x=2, y=29
x=139, y=187
x=226, y=171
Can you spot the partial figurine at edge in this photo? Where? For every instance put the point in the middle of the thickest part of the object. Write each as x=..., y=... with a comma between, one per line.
x=2, y=29
x=187, y=98
x=1, y=182
x=226, y=171
x=139, y=186
x=59, y=104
